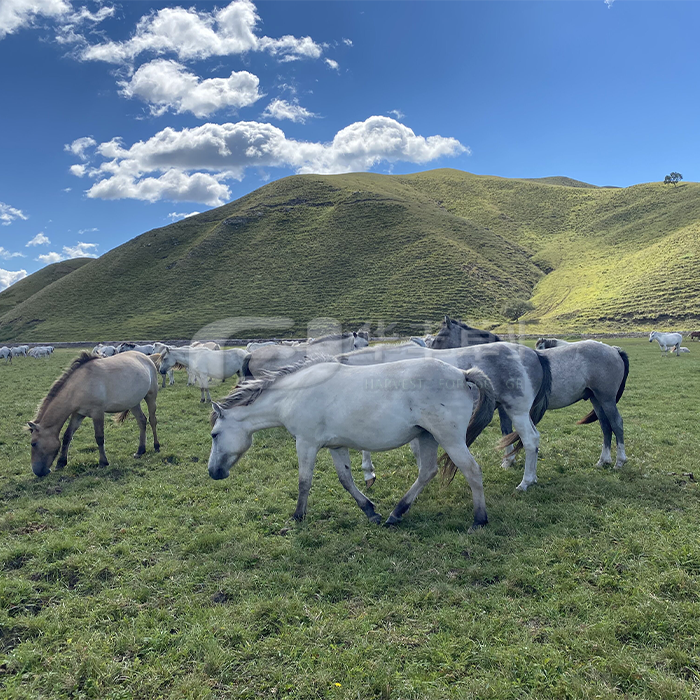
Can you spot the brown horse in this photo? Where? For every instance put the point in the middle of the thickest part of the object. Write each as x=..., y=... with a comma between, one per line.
x=695, y=335
x=91, y=387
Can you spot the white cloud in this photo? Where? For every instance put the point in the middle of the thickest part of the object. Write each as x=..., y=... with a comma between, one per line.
x=87, y=230
x=80, y=250
x=166, y=85
x=176, y=216
x=347, y=42
x=609, y=3
x=198, y=35
x=78, y=169
x=164, y=166
x=50, y=258
x=6, y=255
x=332, y=64
x=397, y=114
x=8, y=277
x=281, y=109
x=39, y=239
x=8, y=214
x=16, y=14
x=79, y=146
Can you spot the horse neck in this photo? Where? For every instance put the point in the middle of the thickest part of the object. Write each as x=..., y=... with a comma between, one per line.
x=60, y=407
x=262, y=413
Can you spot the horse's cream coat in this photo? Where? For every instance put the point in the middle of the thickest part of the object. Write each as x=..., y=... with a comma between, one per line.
x=667, y=340
x=374, y=408
x=90, y=388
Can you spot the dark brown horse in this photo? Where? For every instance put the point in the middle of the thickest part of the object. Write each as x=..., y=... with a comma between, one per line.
x=695, y=335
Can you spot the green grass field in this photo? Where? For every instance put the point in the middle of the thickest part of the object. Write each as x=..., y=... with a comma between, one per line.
x=147, y=579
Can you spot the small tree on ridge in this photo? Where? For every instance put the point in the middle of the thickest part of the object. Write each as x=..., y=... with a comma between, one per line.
x=673, y=179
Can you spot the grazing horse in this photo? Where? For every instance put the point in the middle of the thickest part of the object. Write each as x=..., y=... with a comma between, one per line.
x=89, y=388
x=326, y=404
x=104, y=350
x=695, y=335
x=277, y=356
x=667, y=340
x=6, y=353
x=544, y=343
x=520, y=377
x=19, y=350
x=205, y=364
x=39, y=351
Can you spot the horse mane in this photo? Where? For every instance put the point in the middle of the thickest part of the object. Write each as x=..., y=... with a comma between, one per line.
x=56, y=387
x=250, y=390
x=546, y=343
x=325, y=338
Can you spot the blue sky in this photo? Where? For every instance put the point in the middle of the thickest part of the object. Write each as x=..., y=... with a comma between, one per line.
x=122, y=117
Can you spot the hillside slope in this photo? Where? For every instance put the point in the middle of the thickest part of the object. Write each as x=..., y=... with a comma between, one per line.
x=30, y=285
x=390, y=249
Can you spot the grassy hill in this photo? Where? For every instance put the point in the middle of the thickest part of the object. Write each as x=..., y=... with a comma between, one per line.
x=391, y=249
x=25, y=288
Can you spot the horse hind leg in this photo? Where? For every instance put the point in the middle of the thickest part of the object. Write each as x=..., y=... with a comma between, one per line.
x=141, y=420
x=427, y=447
x=530, y=438
x=609, y=407
x=341, y=460
x=605, y=456
x=506, y=429
x=73, y=425
x=151, y=404
x=368, y=468
x=99, y=424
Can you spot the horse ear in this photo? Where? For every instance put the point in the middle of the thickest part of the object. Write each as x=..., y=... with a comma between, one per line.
x=32, y=426
x=448, y=321
x=217, y=409
x=354, y=334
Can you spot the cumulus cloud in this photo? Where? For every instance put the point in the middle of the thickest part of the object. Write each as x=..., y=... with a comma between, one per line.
x=169, y=164
x=396, y=113
x=167, y=85
x=281, y=109
x=16, y=14
x=8, y=277
x=332, y=64
x=6, y=254
x=79, y=146
x=198, y=35
x=8, y=214
x=39, y=239
x=176, y=216
x=80, y=250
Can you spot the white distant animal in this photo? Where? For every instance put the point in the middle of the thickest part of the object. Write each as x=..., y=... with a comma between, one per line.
x=20, y=350
x=684, y=349
x=5, y=352
x=255, y=345
x=39, y=351
x=104, y=350
x=205, y=364
x=667, y=340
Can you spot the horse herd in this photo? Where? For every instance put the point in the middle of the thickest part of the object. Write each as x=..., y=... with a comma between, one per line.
x=8, y=353
x=339, y=393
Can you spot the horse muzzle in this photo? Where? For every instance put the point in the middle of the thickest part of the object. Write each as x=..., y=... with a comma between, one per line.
x=40, y=469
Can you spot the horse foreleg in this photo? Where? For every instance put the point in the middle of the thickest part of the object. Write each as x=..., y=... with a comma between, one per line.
x=306, y=453
x=427, y=447
x=141, y=420
x=368, y=468
x=99, y=424
x=171, y=377
x=341, y=460
x=73, y=425
x=506, y=429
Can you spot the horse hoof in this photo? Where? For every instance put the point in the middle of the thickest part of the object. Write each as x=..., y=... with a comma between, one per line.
x=156, y=447
x=102, y=464
x=476, y=527
x=137, y=455
x=376, y=519
x=60, y=464
x=391, y=521
x=370, y=482
x=522, y=486
x=298, y=517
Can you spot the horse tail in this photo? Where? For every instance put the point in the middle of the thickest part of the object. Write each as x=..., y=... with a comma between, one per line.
x=121, y=417
x=245, y=370
x=538, y=408
x=481, y=417
x=592, y=417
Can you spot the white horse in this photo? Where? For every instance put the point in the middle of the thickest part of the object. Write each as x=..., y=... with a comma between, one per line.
x=326, y=404
x=6, y=353
x=667, y=340
x=205, y=364
x=254, y=345
x=684, y=349
x=39, y=351
x=104, y=350
x=19, y=351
